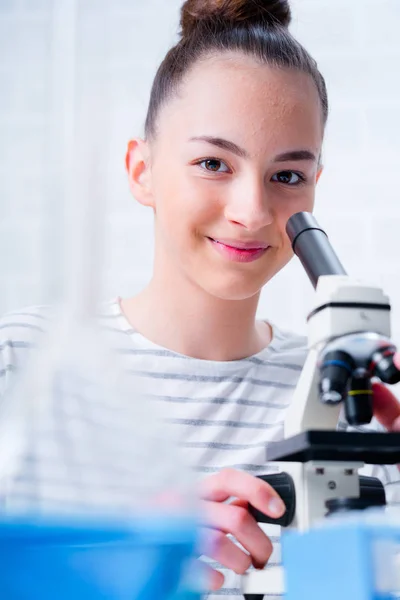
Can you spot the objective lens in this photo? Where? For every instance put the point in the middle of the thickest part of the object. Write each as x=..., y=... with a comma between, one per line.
x=335, y=373
x=358, y=404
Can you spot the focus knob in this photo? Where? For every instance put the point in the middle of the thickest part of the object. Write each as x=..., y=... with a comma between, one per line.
x=284, y=486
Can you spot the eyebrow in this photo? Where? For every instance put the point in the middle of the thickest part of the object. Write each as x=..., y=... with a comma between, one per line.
x=221, y=143
x=292, y=155
x=296, y=155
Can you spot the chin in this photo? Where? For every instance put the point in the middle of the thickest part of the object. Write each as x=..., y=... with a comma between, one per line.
x=235, y=288
x=238, y=281
x=241, y=284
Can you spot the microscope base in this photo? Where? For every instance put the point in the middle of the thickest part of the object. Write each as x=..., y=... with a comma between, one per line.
x=270, y=579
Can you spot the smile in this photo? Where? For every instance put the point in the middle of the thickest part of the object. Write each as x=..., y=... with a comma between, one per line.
x=240, y=251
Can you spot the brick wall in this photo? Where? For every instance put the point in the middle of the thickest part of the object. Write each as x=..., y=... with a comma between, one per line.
x=357, y=46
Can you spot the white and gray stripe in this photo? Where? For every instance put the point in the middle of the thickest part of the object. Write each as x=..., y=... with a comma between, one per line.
x=222, y=414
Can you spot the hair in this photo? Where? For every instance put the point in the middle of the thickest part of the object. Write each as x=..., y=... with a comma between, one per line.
x=257, y=28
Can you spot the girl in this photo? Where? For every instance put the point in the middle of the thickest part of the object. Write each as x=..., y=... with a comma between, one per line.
x=232, y=149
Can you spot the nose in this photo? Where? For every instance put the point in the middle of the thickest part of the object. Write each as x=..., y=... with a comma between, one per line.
x=248, y=206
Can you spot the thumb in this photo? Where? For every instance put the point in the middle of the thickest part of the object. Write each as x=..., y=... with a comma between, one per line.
x=396, y=360
x=386, y=407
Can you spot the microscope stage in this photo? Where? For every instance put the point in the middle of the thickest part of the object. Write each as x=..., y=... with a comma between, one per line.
x=370, y=448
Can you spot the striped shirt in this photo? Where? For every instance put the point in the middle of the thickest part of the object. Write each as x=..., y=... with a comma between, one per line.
x=222, y=413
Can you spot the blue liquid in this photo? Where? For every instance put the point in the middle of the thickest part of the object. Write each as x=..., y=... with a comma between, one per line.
x=142, y=559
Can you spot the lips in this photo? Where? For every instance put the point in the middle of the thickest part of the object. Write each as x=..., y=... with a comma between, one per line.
x=238, y=250
x=240, y=245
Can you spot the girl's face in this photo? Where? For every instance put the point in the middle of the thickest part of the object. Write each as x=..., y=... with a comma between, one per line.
x=236, y=154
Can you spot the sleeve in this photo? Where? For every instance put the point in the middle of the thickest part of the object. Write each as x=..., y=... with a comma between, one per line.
x=19, y=335
x=7, y=363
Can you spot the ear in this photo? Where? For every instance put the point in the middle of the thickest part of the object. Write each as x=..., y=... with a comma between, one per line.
x=319, y=172
x=137, y=163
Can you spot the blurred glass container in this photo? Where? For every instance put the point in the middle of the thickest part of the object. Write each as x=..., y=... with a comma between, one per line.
x=95, y=498
x=96, y=501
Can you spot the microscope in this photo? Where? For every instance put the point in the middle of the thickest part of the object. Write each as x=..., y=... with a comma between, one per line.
x=348, y=346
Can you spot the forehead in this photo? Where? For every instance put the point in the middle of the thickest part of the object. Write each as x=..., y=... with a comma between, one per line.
x=235, y=96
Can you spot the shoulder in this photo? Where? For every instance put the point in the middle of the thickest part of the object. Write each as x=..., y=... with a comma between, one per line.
x=20, y=331
x=289, y=344
x=22, y=328
x=282, y=361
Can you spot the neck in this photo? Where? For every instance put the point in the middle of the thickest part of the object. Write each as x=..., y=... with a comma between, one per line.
x=182, y=317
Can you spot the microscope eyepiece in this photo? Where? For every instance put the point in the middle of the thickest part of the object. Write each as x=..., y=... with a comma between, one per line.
x=310, y=243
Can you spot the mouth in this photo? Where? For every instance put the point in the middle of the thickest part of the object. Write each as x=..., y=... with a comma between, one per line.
x=239, y=251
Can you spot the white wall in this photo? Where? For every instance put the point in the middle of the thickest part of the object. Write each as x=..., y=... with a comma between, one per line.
x=357, y=46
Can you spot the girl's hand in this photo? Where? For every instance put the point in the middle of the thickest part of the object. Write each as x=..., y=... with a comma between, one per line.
x=386, y=405
x=222, y=518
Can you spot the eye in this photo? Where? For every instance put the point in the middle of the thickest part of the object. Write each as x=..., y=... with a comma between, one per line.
x=214, y=165
x=288, y=178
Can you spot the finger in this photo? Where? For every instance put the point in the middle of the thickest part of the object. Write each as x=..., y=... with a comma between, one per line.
x=396, y=360
x=245, y=504
x=386, y=407
x=215, y=579
x=226, y=552
x=239, y=502
x=230, y=482
x=237, y=521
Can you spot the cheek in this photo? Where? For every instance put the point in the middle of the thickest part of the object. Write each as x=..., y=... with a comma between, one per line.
x=187, y=202
x=285, y=209
x=171, y=197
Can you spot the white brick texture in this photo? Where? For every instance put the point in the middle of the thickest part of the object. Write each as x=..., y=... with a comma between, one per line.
x=357, y=46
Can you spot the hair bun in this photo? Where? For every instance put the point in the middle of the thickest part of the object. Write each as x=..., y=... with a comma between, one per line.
x=234, y=12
